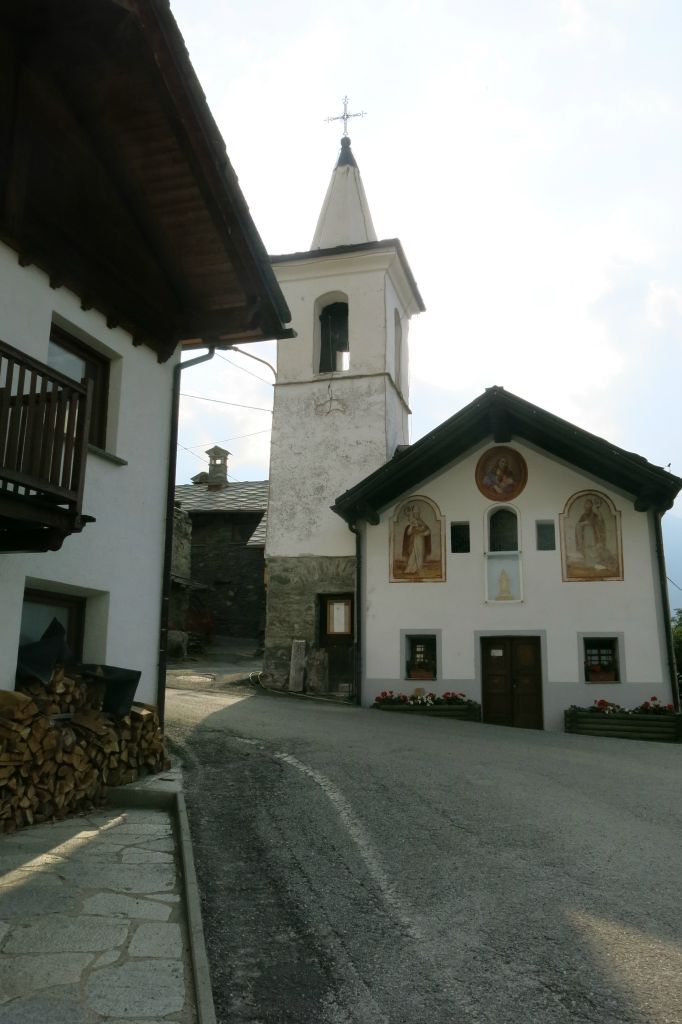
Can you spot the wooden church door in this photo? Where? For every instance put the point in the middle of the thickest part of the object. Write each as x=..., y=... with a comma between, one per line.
x=512, y=681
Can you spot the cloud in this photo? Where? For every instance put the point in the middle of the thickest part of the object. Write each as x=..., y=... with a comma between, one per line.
x=664, y=306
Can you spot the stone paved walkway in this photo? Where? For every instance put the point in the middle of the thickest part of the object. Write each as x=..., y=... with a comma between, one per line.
x=92, y=923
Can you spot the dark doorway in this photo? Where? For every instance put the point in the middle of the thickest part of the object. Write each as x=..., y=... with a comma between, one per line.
x=337, y=638
x=512, y=681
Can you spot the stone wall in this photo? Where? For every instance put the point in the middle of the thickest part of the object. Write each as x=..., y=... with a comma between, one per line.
x=178, y=602
x=182, y=543
x=293, y=608
x=232, y=572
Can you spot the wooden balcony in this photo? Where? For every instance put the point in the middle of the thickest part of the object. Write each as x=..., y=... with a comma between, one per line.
x=44, y=421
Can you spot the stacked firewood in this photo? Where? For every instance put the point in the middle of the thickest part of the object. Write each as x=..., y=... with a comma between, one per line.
x=65, y=694
x=54, y=763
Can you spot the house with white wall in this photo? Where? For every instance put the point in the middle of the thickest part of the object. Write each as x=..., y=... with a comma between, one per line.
x=517, y=558
x=124, y=241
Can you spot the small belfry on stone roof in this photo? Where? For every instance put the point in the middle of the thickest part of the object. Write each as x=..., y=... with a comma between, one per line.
x=217, y=468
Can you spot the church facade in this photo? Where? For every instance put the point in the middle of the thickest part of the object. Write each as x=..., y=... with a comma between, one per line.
x=508, y=554
x=514, y=557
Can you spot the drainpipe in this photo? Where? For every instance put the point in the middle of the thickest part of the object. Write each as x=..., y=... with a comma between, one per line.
x=168, y=538
x=665, y=603
x=358, y=612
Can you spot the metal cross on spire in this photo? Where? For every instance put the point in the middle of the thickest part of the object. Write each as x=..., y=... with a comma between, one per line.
x=345, y=117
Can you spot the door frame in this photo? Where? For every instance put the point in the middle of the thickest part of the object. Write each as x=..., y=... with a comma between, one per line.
x=322, y=635
x=480, y=634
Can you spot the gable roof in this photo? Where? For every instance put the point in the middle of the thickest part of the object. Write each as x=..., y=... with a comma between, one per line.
x=141, y=213
x=503, y=416
x=248, y=496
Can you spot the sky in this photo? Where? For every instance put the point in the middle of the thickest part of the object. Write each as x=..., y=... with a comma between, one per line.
x=528, y=155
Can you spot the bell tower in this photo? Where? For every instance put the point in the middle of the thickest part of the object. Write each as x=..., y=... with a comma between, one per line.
x=340, y=411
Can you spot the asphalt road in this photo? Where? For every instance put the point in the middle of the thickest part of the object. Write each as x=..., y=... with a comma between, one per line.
x=358, y=867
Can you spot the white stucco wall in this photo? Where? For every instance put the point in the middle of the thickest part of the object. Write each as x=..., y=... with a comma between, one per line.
x=556, y=611
x=116, y=562
x=331, y=430
x=322, y=443
x=363, y=279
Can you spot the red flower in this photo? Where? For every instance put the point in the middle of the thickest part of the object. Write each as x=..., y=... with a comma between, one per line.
x=670, y=707
x=654, y=698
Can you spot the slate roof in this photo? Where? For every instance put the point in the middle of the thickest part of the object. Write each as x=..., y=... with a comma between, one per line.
x=248, y=496
x=502, y=416
x=257, y=538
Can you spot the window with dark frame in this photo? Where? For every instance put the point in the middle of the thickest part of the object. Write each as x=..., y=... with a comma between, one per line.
x=545, y=535
x=76, y=360
x=503, y=558
x=422, y=661
x=601, y=659
x=42, y=606
x=334, y=350
x=460, y=538
x=503, y=531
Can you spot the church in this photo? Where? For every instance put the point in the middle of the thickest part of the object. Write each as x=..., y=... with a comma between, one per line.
x=508, y=555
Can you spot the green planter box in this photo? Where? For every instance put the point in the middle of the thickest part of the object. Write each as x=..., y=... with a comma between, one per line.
x=658, y=728
x=462, y=711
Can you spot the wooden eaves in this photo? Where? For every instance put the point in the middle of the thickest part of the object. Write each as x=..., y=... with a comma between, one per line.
x=115, y=181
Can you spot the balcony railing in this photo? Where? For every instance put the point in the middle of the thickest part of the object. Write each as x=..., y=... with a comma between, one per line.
x=44, y=420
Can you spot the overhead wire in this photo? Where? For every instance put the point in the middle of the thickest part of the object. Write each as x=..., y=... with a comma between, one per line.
x=250, y=373
x=226, y=440
x=221, y=401
x=238, y=405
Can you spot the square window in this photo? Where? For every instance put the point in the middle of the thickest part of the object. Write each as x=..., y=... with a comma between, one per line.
x=421, y=657
x=73, y=359
x=545, y=535
x=601, y=659
x=42, y=606
x=460, y=540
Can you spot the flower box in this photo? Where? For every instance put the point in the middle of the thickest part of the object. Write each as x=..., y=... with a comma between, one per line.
x=466, y=712
x=421, y=673
x=661, y=728
x=601, y=675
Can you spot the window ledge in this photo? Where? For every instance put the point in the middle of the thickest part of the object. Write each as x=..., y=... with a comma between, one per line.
x=107, y=456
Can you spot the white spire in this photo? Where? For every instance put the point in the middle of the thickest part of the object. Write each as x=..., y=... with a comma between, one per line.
x=345, y=218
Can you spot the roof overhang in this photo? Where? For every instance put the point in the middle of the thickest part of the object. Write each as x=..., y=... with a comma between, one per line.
x=501, y=417
x=114, y=177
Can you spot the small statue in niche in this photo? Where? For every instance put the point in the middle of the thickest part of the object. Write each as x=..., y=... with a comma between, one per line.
x=504, y=587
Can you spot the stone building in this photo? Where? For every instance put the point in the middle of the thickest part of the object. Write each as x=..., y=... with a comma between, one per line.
x=225, y=552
